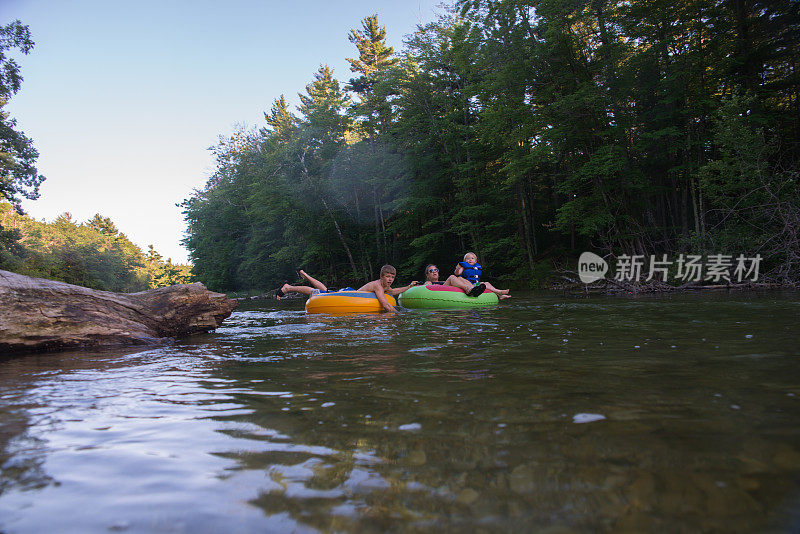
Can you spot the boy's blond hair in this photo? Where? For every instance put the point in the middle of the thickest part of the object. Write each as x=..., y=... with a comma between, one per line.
x=388, y=269
x=468, y=253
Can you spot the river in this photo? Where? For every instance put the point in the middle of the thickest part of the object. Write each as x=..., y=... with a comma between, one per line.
x=547, y=413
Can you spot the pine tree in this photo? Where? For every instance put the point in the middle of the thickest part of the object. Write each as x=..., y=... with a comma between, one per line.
x=282, y=123
x=323, y=136
x=374, y=60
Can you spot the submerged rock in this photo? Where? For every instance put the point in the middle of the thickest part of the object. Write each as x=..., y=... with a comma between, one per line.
x=467, y=496
x=417, y=457
x=38, y=314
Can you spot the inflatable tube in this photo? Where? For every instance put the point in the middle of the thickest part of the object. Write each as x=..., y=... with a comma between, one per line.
x=347, y=302
x=437, y=296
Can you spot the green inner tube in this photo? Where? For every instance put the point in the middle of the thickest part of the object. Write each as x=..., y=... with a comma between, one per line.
x=438, y=296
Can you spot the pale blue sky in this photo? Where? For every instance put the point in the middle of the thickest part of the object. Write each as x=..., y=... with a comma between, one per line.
x=122, y=98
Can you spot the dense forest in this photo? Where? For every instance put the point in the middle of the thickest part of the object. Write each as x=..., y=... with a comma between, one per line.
x=92, y=254
x=527, y=131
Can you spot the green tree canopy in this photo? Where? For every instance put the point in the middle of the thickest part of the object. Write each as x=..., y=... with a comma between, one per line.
x=527, y=131
x=19, y=177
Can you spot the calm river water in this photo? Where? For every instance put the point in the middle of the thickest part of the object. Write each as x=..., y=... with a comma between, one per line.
x=544, y=414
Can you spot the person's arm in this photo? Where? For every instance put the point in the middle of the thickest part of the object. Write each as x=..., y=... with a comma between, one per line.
x=377, y=288
x=396, y=291
x=382, y=299
x=459, y=269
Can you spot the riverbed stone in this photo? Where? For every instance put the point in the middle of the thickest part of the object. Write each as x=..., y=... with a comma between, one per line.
x=681, y=495
x=732, y=501
x=557, y=529
x=786, y=458
x=467, y=496
x=416, y=457
x=642, y=492
x=752, y=466
x=634, y=522
x=499, y=482
x=522, y=479
x=748, y=483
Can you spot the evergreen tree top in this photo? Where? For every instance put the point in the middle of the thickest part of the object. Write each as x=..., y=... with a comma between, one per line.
x=322, y=95
x=280, y=119
x=374, y=55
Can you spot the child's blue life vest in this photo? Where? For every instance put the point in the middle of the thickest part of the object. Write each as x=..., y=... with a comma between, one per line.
x=471, y=272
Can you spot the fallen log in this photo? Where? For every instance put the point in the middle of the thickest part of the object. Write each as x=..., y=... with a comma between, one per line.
x=39, y=315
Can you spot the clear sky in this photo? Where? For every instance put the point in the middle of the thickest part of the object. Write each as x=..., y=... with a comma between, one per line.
x=123, y=98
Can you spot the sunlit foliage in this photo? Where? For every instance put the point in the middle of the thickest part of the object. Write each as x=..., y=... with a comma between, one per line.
x=91, y=254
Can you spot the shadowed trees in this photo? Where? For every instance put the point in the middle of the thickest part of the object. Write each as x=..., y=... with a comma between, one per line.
x=528, y=130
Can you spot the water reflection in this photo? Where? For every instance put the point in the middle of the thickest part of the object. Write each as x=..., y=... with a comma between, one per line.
x=23, y=411
x=591, y=415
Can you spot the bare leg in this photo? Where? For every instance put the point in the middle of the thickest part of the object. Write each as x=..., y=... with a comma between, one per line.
x=459, y=282
x=313, y=281
x=503, y=293
x=305, y=290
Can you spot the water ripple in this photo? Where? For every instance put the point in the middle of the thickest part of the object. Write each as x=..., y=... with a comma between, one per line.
x=424, y=421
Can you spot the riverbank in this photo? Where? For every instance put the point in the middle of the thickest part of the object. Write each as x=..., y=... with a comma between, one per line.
x=569, y=282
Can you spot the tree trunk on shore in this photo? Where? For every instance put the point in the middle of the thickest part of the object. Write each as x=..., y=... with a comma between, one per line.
x=38, y=314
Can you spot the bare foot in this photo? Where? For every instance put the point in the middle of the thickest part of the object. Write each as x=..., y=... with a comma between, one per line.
x=281, y=292
x=505, y=297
